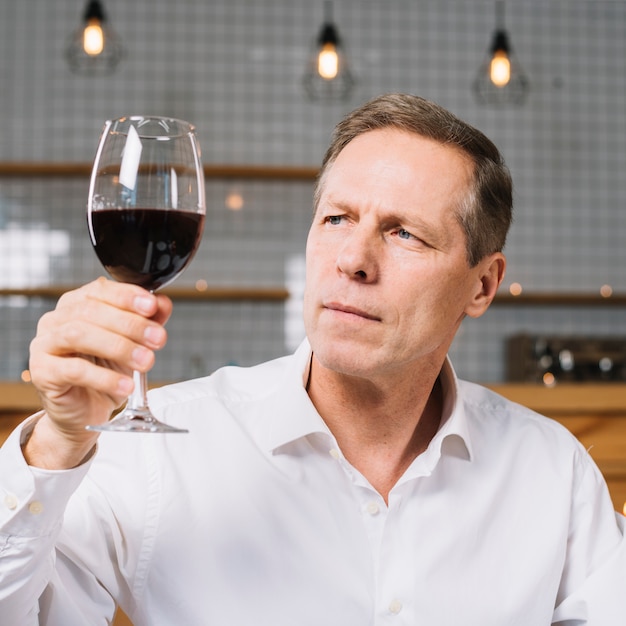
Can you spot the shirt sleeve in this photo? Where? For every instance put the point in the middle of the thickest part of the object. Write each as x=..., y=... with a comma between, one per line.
x=593, y=590
x=32, y=504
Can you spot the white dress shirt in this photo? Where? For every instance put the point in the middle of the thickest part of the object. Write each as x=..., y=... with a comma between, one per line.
x=255, y=518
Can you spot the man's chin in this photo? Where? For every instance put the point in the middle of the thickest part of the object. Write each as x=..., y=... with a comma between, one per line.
x=346, y=357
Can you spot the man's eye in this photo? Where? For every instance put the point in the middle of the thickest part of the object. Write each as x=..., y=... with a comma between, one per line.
x=335, y=220
x=404, y=234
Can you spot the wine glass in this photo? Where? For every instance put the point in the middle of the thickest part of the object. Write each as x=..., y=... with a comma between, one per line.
x=145, y=213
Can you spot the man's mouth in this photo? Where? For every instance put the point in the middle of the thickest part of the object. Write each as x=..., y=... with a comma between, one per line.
x=351, y=310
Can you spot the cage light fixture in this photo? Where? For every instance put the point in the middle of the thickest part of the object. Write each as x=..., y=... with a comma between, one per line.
x=94, y=48
x=501, y=80
x=328, y=75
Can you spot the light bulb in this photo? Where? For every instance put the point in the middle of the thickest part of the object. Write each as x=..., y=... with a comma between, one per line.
x=500, y=68
x=328, y=62
x=93, y=38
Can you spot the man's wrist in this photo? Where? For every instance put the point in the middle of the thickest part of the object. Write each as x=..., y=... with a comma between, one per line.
x=46, y=447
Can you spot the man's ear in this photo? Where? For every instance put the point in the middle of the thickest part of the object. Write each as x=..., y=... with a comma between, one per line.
x=489, y=274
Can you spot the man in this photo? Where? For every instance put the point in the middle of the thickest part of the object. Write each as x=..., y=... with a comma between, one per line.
x=355, y=482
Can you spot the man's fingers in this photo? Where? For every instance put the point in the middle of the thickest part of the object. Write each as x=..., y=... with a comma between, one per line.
x=95, y=317
x=86, y=374
x=97, y=326
x=164, y=309
x=120, y=295
x=83, y=338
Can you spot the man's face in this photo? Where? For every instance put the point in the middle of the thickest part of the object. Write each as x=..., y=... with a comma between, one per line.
x=388, y=282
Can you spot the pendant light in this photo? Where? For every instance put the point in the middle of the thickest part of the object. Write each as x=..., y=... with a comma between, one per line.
x=500, y=79
x=94, y=47
x=328, y=76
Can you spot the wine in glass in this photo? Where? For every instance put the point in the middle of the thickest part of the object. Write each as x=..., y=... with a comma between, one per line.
x=145, y=213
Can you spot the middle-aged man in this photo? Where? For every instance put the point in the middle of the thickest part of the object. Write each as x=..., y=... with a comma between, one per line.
x=357, y=482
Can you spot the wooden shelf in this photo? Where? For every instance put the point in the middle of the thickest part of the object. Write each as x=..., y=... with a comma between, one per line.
x=280, y=293
x=560, y=299
x=33, y=169
x=214, y=294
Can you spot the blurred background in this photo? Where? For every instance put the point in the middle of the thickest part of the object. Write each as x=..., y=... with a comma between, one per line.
x=238, y=70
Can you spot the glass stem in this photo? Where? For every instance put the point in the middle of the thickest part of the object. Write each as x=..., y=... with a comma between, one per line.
x=138, y=399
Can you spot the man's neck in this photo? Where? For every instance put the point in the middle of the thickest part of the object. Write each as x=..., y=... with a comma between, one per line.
x=380, y=427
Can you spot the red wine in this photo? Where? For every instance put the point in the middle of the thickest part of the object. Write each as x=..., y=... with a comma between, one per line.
x=147, y=247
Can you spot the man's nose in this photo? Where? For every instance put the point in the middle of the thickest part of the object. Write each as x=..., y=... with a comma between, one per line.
x=358, y=255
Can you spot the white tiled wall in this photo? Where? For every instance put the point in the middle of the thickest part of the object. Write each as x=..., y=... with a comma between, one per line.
x=235, y=69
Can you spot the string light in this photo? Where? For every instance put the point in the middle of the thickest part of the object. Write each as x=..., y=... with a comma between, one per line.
x=328, y=76
x=500, y=79
x=94, y=47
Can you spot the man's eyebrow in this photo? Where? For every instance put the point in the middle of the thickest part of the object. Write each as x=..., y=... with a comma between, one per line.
x=329, y=200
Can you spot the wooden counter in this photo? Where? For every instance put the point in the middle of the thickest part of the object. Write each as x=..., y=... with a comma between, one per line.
x=17, y=401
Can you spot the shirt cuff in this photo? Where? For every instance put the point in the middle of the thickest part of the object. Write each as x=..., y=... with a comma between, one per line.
x=32, y=500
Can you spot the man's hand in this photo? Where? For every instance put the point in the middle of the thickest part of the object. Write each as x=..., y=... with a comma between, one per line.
x=81, y=363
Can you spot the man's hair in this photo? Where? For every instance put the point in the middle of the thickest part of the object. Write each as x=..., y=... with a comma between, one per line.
x=485, y=213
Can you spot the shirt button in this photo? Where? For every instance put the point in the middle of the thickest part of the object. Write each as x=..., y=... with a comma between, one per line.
x=35, y=507
x=334, y=453
x=10, y=501
x=395, y=606
x=372, y=508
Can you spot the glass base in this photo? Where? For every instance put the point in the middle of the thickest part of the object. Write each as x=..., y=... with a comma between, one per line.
x=136, y=421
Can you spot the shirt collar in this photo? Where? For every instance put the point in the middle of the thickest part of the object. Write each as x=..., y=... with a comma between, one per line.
x=453, y=427
x=294, y=415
